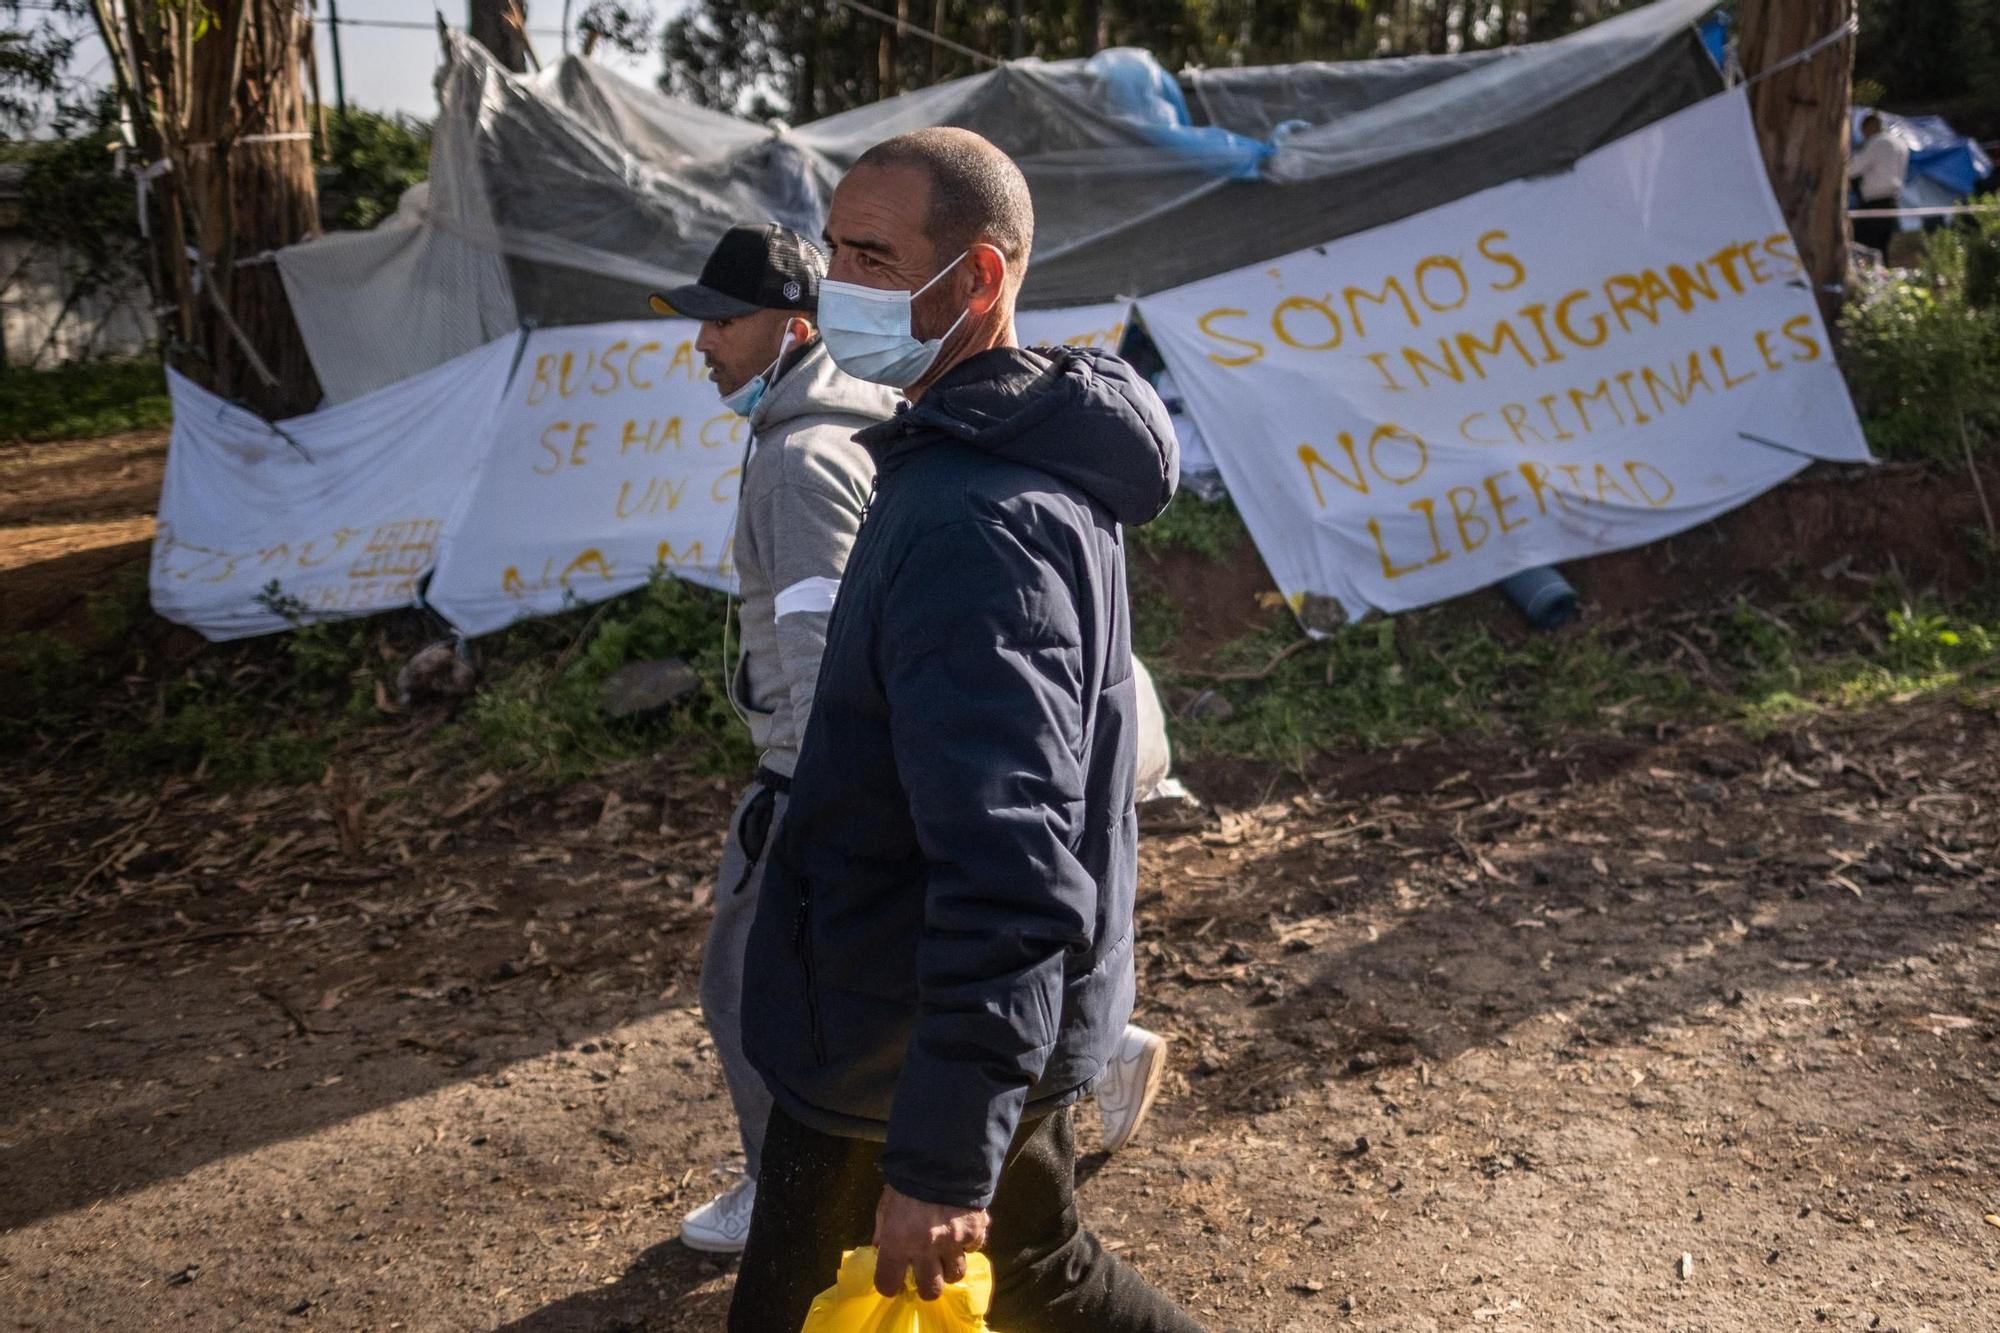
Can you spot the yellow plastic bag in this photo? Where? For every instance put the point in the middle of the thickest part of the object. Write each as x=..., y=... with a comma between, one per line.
x=852, y=1305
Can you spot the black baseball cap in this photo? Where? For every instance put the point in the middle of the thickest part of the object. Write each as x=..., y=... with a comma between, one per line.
x=753, y=267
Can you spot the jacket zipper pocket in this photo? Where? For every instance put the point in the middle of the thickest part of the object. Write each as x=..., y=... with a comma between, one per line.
x=802, y=942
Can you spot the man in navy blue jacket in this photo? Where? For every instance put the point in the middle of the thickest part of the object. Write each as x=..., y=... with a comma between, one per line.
x=941, y=964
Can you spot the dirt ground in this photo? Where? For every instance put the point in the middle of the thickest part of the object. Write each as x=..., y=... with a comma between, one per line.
x=1693, y=1032
x=1462, y=1040
x=71, y=516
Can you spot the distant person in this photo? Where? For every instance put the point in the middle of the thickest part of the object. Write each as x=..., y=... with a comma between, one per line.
x=800, y=499
x=1879, y=168
x=943, y=950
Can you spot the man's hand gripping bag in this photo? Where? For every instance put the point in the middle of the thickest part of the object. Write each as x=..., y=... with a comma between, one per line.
x=852, y=1305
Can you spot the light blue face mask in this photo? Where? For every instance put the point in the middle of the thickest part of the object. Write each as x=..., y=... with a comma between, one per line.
x=867, y=331
x=743, y=401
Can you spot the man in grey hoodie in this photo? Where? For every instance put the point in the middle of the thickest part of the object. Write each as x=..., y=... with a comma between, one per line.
x=804, y=485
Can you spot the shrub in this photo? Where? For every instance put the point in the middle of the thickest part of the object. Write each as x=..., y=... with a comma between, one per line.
x=540, y=708
x=1922, y=349
x=47, y=683
x=371, y=160
x=1210, y=528
x=83, y=401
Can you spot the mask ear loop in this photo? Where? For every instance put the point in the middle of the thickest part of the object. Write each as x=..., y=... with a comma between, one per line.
x=939, y=274
x=784, y=346
x=963, y=315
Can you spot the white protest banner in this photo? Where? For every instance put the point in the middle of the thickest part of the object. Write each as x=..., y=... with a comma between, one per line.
x=1101, y=325
x=610, y=456
x=334, y=514
x=1546, y=370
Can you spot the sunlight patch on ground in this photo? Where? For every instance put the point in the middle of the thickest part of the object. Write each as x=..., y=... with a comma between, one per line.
x=21, y=547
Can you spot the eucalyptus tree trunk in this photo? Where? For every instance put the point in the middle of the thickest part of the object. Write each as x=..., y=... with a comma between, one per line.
x=218, y=103
x=501, y=27
x=1801, y=117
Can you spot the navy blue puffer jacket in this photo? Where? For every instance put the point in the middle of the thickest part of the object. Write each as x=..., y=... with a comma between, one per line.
x=943, y=941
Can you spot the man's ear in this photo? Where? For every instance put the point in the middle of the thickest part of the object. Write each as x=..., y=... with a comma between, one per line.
x=800, y=330
x=988, y=270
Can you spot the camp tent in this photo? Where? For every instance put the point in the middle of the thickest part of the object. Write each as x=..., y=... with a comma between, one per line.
x=561, y=198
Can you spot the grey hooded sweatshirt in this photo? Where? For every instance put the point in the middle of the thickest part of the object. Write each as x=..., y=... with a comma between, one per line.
x=805, y=484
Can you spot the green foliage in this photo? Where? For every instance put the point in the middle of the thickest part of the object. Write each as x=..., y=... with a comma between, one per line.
x=1922, y=354
x=540, y=711
x=265, y=711
x=34, y=57
x=52, y=682
x=1424, y=674
x=1982, y=266
x=208, y=727
x=82, y=401
x=371, y=160
x=278, y=708
x=1923, y=52
x=628, y=28
x=1928, y=640
x=1925, y=648
x=77, y=207
x=1210, y=528
x=1437, y=673
x=1156, y=618
x=47, y=681
x=74, y=197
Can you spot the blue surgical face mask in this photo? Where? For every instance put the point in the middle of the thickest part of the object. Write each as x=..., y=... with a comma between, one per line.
x=743, y=401
x=867, y=331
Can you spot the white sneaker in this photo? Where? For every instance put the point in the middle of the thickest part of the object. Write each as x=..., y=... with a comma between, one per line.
x=722, y=1225
x=1130, y=1083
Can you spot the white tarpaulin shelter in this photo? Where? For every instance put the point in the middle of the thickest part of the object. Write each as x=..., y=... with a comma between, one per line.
x=338, y=513
x=1546, y=370
x=556, y=202
x=608, y=457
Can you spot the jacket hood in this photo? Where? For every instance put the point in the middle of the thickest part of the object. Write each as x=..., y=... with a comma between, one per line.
x=810, y=385
x=1079, y=414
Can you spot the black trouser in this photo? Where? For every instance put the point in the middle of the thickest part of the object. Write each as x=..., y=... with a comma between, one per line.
x=1877, y=233
x=816, y=1198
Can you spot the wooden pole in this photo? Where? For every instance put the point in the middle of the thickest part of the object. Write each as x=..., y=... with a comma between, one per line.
x=1800, y=112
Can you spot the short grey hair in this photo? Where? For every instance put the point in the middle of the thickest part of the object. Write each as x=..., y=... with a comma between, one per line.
x=977, y=193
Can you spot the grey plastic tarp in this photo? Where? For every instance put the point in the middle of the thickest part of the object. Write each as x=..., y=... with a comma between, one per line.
x=565, y=196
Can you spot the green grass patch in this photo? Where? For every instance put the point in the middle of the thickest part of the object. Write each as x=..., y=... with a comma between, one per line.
x=540, y=713
x=207, y=727
x=1437, y=673
x=53, y=683
x=281, y=707
x=1210, y=528
x=82, y=402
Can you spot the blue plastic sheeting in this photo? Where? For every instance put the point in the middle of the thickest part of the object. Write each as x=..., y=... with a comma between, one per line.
x=1714, y=32
x=1939, y=154
x=1133, y=86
